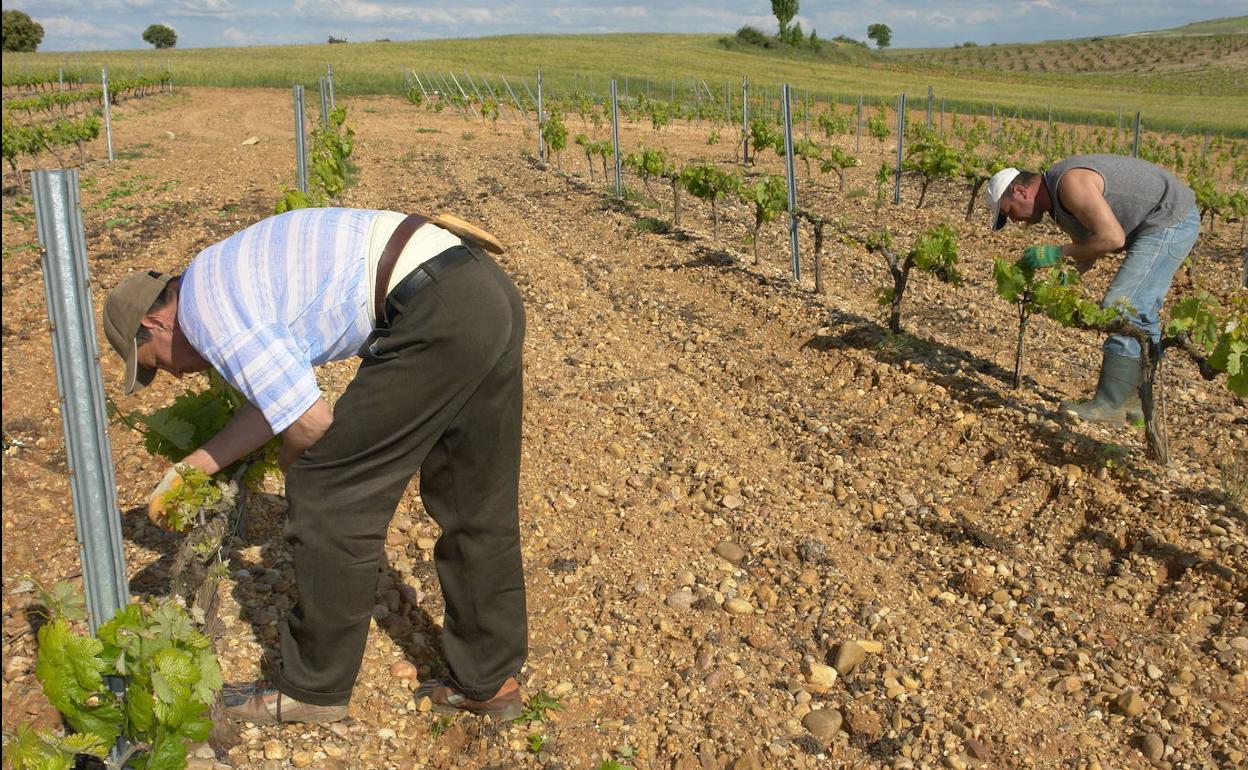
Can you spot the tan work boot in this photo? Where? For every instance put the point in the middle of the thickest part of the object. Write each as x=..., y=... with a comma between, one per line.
x=447, y=698
x=262, y=703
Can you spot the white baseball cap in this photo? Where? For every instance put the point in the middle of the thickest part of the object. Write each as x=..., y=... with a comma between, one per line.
x=997, y=186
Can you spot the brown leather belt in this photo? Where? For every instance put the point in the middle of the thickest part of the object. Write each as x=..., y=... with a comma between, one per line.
x=389, y=256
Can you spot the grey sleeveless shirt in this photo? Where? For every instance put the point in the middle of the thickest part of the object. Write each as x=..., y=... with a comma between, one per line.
x=1145, y=198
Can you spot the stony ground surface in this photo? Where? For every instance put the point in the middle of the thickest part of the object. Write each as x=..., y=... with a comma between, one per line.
x=758, y=531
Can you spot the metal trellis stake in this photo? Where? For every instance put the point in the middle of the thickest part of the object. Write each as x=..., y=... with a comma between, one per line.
x=541, y=120
x=108, y=121
x=795, y=262
x=615, y=140
x=84, y=416
x=1135, y=144
x=80, y=390
x=745, y=120
x=858, y=130
x=324, y=103
x=901, y=141
x=473, y=85
x=329, y=81
x=519, y=106
x=301, y=153
x=464, y=94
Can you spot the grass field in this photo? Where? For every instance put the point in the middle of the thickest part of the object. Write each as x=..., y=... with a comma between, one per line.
x=1210, y=98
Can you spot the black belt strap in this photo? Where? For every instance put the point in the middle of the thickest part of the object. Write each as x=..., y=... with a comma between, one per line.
x=419, y=278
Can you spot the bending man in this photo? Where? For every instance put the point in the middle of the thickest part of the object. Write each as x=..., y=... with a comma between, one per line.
x=438, y=390
x=1108, y=204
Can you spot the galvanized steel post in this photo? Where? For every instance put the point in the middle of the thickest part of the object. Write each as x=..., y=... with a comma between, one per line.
x=794, y=261
x=108, y=121
x=615, y=140
x=541, y=121
x=745, y=120
x=858, y=130
x=84, y=417
x=324, y=103
x=901, y=142
x=301, y=153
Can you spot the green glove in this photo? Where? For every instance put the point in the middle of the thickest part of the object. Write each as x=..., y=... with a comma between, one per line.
x=1036, y=257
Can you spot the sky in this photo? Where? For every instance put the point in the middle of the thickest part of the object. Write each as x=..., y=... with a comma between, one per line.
x=81, y=25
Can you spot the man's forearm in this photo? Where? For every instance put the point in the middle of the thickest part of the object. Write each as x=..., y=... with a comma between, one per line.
x=246, y=432
x=304, y=432
x=1090, y=250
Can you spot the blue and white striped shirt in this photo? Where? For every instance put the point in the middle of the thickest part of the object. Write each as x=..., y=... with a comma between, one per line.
x=269, y=303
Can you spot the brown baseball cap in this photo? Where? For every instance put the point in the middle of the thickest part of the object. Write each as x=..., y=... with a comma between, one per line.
x=124, y=309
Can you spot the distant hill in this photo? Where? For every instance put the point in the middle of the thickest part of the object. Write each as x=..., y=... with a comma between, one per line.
x=1228, y=25
x=1181, y=82
x=1207, y=57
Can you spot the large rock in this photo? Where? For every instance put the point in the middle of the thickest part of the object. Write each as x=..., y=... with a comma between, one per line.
x=823, y=723
x=849, y=657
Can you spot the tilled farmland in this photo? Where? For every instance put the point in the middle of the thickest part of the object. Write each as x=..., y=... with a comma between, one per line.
x=759, y=531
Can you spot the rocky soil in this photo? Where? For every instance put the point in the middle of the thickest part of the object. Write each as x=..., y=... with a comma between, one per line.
x=758, y=530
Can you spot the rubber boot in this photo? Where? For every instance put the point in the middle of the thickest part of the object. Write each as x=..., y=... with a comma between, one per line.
x=1117, y=398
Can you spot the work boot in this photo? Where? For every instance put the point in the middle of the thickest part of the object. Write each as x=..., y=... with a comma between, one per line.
x=262, y=703
x=447, y=699
x=1117, y=398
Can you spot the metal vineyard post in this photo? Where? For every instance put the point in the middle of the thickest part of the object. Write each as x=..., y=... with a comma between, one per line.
x=615, y=140
x=108, y=123
x=901, y=141
x=541, y=118
x=84, y=418
x=791, y=180
x=301, y=153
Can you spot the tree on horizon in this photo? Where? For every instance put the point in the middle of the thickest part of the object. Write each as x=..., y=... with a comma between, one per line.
x=20, y=32
x=881, y=34
x=784, y=11
x=160, y=36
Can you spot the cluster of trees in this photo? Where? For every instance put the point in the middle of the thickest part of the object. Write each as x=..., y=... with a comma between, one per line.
x=790, y=33
x=23, y=34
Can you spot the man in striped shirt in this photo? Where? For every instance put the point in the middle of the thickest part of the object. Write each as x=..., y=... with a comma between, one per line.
x=438, y=390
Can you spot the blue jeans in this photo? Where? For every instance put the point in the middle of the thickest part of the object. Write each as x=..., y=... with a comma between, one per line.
x=1144, y=278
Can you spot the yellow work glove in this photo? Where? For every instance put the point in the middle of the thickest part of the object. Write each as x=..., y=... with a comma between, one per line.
x=159, y=496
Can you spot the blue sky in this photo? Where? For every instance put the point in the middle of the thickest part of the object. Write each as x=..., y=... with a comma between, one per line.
x=74, y=25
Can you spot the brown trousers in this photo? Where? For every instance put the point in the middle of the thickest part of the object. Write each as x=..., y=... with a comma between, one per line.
x=442, y=394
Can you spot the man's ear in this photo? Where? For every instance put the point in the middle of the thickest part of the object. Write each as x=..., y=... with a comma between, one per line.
x=155, y=322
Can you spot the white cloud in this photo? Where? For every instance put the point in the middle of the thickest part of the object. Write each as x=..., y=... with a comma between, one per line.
x=576, y=15
x=235, y=36
x=64, y=26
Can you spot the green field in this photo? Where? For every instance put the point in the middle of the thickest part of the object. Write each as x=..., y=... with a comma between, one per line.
x=1209, y=99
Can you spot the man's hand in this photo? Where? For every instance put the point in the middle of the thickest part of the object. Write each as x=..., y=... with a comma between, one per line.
x=156, y=500
x=1037, y=257
x=1084, y=265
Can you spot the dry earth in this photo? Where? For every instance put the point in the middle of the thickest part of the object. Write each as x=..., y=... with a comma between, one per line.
x=733, y=488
